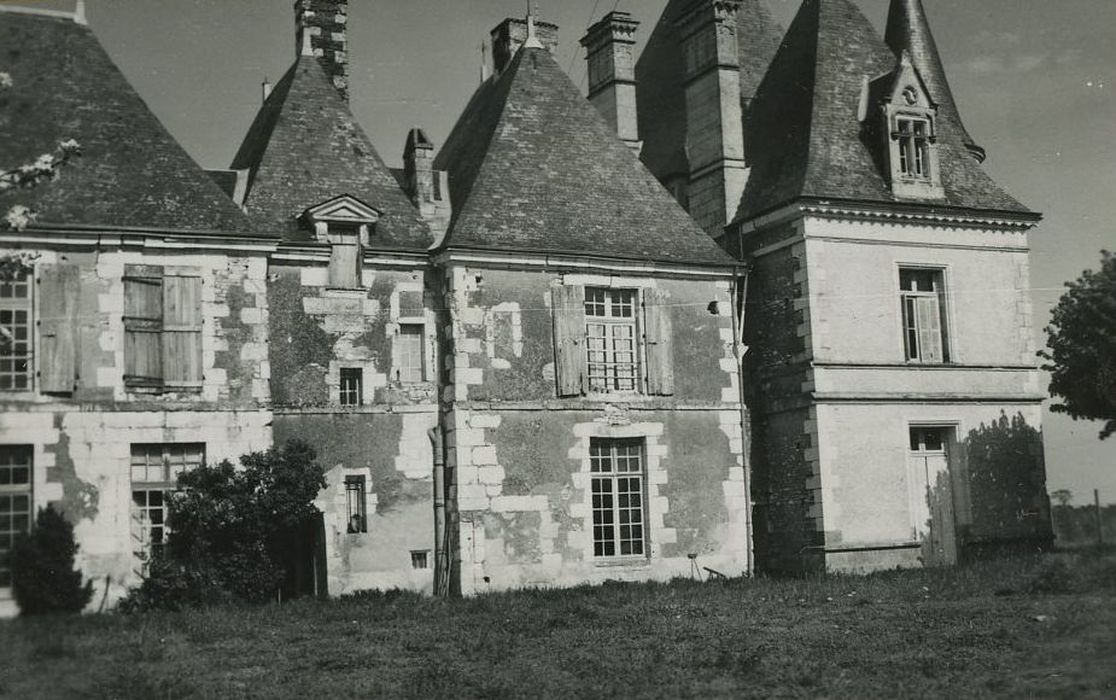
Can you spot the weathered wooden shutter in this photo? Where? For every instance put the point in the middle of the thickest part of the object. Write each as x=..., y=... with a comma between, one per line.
x=658, y=342
x=569, y=339
x=182, y=331
x=60, y=290
x=344, y=259
x=143, y=325
x=928, y=315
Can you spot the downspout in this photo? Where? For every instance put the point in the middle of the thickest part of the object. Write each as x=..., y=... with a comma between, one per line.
x=441, y=564
x=740, y=351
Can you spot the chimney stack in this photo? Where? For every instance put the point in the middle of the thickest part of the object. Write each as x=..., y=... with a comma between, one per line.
x=610, y=52
x=324, y=22
x=511, y=34
x=427, y=188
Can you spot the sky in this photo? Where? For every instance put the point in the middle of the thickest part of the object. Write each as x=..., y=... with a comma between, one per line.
x=1035, y=81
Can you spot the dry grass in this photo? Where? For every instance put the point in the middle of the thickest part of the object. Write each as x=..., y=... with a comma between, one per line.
x=1044, y=626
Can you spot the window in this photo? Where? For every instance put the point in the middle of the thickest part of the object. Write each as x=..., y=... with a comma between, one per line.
x=617, y=490
x=154, y=471
x=927, y=439
x=352, y=386
x=610, y=331
x=420, y=559
x=344, y=257
x=162, y=329
x=924, y=328
x=914, y=147
x=15, y=502
x=409, y=353
x=355, y=504
x=15, y=334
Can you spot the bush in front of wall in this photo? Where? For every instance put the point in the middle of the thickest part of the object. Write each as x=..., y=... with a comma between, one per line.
x=43, y=576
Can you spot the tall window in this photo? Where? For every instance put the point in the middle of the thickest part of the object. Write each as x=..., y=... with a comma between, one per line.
x=15, y=502
x=924, y=327
x=610, y=329
x=914, y=147
x=162, y=329
x=352, y=386
x=355, y=499
x=15, y=334
x=155, y=469
x=617, y=489
x=409, y=353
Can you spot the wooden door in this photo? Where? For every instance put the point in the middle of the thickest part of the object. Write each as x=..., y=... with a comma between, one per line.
x=931, y=492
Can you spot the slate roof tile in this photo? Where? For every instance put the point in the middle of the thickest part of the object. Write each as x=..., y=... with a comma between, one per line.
x=132, y=174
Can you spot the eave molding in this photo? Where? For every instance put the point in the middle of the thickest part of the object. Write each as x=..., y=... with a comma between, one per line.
x=899, y=212
x=558, y=262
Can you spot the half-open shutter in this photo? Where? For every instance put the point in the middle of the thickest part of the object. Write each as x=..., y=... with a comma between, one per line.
x=182, y=331
x=60, y=289
x=929, y=317
x=569, y=339
x=659, y=343
x=143, y=325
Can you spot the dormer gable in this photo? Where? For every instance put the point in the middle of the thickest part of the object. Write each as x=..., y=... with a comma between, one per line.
x=900, y=116
x=346, y=224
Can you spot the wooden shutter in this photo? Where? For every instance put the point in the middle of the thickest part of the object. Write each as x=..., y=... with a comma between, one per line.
x=60, y=289
x=569, y=339
x=182, y=331
x=143, y=325
x=929, y=318
x=344, y=260
x=658, y=342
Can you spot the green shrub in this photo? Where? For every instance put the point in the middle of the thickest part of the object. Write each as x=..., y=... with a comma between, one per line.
x=43, y=575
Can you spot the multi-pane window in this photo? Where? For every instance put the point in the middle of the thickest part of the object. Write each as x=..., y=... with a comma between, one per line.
x=355, y=504
x=420, y=559
x=914, y=148
x=15, y=502
x=922, y=293
x=617, y=478
x=154, y=471
x=352, y=386
x=409, y=353
x=610, y=329
x=15, y=334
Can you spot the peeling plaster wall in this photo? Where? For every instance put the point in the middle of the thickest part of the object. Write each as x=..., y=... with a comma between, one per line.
x=520, y=455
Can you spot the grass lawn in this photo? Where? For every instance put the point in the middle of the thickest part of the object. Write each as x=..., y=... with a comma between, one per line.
x=1041, y=626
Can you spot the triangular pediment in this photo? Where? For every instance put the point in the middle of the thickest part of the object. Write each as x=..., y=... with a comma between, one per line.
x=344, y=209
x=907, y=86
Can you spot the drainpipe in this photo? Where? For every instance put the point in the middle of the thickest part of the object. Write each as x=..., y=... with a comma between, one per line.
x=441, y=564
x=740, y=350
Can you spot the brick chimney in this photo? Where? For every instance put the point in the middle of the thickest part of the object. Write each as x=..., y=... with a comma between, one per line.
x=610, y=52
x=714, y=117
x=321, y=31
x=510, y=34
x=428, y=188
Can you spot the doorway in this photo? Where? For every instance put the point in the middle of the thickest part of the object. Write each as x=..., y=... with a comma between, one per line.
x=933, y=521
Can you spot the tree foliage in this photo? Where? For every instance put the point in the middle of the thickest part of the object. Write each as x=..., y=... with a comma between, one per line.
x=43, y=575
x=232, y=529
x=1082, y=347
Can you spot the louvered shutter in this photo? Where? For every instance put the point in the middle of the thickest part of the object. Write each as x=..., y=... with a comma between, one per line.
x=569, y=339
x=60, y=290
x=928, y=315
x=182, y=331
x=143, y=325
x=658, y=342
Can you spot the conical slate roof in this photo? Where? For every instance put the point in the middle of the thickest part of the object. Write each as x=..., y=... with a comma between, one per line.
x=805, y=135
x=908, y=30
x=534, y=167
x=305, y=147
x=132, y=174
x=660, y=97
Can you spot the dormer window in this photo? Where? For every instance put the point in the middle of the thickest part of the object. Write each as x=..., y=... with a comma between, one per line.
x=346, y=224
x=913, y=136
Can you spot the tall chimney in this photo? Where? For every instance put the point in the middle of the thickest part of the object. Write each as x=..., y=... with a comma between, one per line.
x=510, y=34
x=714, y=117
x=610, y=52
x=325, y=22
x=427, y=188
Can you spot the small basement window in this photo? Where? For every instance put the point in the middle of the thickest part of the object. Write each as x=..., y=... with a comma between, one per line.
x=420, y=559
x=352, y=386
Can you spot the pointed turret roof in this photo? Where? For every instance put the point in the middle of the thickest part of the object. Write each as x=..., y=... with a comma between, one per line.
x=661, y=99
x=908, y=30
x=305, y=147
x=132, y=174
x=534, y=167
x=806, y=136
